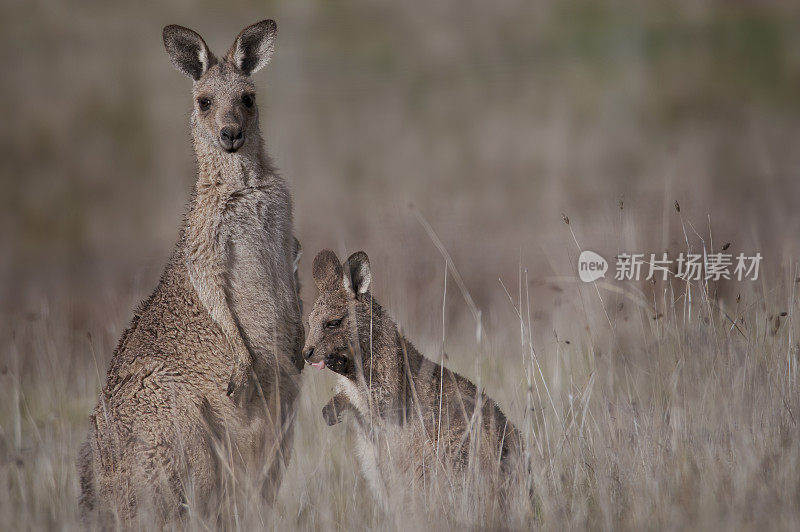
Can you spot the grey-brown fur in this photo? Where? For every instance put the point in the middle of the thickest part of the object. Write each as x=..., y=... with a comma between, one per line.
x=411, y=415
x=203, y=383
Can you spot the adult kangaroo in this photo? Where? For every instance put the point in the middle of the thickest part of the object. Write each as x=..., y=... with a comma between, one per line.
x=202, y=385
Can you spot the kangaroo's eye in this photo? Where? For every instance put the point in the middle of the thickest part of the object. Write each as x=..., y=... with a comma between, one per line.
x=248, y=100
x=204, y=103
x=333, y=324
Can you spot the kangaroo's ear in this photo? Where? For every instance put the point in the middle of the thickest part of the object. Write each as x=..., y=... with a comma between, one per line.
x=357, y=274
x=253, y=47
x=326, y=269
x=187, y=51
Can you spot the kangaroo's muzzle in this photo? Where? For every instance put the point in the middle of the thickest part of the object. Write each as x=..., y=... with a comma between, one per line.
x=231, y=138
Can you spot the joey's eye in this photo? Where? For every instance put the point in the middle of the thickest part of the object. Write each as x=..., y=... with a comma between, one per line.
x=204, y=103
x=333, y=324
x=248, y=100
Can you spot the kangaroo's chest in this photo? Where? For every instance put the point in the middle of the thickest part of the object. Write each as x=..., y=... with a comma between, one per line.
x=256, y=232
x=261, y=216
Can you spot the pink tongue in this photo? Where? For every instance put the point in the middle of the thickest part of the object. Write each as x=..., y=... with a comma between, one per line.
x=319, y=365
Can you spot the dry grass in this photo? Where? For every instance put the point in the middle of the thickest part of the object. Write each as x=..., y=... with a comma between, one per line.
x=683, y=421
x=491, y=121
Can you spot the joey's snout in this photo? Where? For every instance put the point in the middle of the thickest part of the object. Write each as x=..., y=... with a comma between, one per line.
x=316, y=361
x=308, y=353
x=231, y=138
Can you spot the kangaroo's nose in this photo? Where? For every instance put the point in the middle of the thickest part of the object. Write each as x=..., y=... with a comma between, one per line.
x=309, y=353
x=231, y=137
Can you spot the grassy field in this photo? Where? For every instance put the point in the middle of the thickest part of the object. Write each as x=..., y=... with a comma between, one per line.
x=660, y=405
x=684, y=421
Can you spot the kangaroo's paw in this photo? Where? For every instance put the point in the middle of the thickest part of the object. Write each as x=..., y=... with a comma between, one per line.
x=238, y=382
x=330, y=414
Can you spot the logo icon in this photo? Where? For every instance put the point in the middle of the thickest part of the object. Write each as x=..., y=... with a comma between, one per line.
x=591, y=266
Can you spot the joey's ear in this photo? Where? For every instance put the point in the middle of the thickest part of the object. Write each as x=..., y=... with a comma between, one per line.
x=326, y=269
x=187, y=51
x=357, y=274
x=253, y=47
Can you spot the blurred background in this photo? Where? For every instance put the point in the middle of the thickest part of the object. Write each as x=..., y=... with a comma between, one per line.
x=491, y=119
